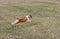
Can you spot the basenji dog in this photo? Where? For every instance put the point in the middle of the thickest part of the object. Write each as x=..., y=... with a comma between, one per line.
x=24, y=19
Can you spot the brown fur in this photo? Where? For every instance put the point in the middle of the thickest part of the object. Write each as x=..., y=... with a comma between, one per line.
x=24, y=19
x=21, y=20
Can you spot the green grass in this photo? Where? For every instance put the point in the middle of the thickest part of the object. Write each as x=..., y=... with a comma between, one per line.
x=45, y=21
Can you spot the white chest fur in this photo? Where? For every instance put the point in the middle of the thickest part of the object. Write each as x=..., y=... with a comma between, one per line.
x=28, y=19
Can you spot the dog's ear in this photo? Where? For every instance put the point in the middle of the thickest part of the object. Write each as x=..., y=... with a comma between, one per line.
x=30, y=16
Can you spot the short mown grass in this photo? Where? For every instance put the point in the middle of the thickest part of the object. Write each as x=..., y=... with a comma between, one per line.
x=45, y=21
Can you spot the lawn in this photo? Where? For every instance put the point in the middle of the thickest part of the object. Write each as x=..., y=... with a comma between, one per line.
x=45, y=19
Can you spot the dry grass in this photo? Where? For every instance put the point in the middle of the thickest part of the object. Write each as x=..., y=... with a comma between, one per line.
x=45, y=24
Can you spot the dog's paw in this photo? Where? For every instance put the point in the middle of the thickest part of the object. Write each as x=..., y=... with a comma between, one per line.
x=29, y=20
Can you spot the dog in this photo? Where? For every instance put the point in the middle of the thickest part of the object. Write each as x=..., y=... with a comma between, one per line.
x=21, y=20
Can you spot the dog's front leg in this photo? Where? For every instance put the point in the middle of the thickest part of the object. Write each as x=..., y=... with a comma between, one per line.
x=29, y=21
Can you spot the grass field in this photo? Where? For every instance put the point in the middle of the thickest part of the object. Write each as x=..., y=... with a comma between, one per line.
x=45, y=21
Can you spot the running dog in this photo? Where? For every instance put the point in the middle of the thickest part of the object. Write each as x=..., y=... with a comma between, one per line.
x=24, y=19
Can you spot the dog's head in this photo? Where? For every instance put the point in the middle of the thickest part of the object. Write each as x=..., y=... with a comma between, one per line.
x=29, y=16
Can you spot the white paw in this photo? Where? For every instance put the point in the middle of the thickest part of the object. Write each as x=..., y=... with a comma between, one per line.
x=30, y=21
x=13, y=23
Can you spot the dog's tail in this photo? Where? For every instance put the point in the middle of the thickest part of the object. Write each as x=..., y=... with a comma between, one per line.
x=16, y=21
